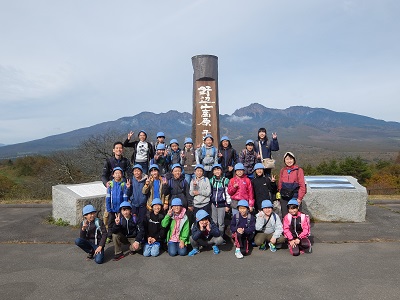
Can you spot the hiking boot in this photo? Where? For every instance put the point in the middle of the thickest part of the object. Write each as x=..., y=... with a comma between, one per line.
x=118, y=256
x=262, y=247
x=194, y=252
x=272, y=247
x=108, y=240
x=216, y=249
x=238, y=253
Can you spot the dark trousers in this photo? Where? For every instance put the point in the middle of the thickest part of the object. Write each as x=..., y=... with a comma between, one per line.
x=89, y=247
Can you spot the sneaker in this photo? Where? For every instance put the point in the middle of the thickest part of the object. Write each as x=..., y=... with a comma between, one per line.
x=90, y=256
x=118, y=256
x=272, y=247
x=309, y=249
x=108, y=240
x=262, y=247
x=216, y=249
x=194, y=252
x=238, y=254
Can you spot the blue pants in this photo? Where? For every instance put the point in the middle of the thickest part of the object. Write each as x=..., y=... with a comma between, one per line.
x=188, y=177
x=151, y=249
x=89, y=247
x=174, y=250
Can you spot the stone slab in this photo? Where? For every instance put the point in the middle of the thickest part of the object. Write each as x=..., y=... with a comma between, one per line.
x=68, y=200
x=335, y=199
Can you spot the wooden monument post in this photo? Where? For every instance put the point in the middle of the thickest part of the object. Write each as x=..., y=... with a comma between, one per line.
x=205, y=98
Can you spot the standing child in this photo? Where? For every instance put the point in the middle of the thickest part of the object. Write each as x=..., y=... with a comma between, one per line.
x=116, y=194
x=177, y=223
x=188, y=159
x=248, y=157
x=270, y=228
x=174, y=153
x=207, y=155
x=161, y=160
x=242, y=228
x=240, y=188
x=219, y=198
x=291, y=182
x=264, y=146
x=200, y=190
x=263, y=186
x=153, y=186
x=204, y=233
x=227, y=157
x=135, y=192
x=160, y=140
x=155, y=233
x=296, y=228
x=128, y=230
x=92, y=237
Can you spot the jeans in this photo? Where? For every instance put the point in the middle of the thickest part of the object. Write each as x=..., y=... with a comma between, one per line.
x=188, y=177
x=145, y=166
x=89, y=247
x=151, y=249
x=173, y=249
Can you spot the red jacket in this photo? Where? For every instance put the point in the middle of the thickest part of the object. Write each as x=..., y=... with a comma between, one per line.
x=244, y=190
x=291, y=177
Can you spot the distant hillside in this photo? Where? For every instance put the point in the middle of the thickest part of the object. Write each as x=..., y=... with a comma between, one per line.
x=309, y=130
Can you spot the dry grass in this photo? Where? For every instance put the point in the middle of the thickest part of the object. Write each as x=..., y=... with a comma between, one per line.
x=25, y=201
x=383, y=197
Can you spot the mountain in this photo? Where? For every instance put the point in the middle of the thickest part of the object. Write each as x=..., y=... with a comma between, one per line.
x=311, y=130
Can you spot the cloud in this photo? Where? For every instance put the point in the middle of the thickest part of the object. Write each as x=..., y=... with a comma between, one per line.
x=234, y=118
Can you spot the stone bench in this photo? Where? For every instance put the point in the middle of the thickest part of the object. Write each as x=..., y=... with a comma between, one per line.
x=68, y=200
x=335, y=199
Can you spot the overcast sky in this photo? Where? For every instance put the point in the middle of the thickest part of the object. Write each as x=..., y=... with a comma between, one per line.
x=70, y=64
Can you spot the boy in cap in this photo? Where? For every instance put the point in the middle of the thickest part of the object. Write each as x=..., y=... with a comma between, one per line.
x=200, y=190
x=174, y=153
x=248, y=157
x=204, y=233
x=135, y=192
x=188, y=159
x=227, y=157
x=242, y=228
x=263, y=185
x=153, y=186
x=155, y=232
x=161, y=160
x=207, y=155
x=92, y=237
x=160, y=136
x=270, y=228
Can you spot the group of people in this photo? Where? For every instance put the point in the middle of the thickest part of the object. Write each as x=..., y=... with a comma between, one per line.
x=172, y=198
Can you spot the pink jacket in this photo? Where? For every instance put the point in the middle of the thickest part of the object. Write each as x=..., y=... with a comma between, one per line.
x=244, y=190
x=290, y=233
x=294, y=177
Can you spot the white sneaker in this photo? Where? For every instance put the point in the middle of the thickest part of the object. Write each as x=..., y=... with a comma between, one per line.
x=238, y=254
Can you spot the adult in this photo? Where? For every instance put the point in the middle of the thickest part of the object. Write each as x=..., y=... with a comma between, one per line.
x=117, y=160
x=264, y=147
x=143, y=151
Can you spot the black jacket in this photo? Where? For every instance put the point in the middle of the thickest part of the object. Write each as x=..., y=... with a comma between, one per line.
x=262, y=187
x=132, y=228
x=150, y=150
x=109, y=166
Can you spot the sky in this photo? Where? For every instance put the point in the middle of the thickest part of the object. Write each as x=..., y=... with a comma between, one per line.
x=70, y=64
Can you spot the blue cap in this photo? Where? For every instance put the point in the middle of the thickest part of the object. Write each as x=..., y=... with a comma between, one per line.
x=118, y=169
x=160, y=134
x=176, y=166
x=216, y=166
x=201, y=214
x=154, y=166
x=88, y=209
x=156, y=201
x=199, y=166
x=176, y=202
x=143, y=132
x=174, y=141
x=249, y=141
x=137, y=166
x=224, y=138
x=188, y=141
x=258, y=166
x=266, y=203
x=161, y=147
x=243, y=203
x=293, y=202
x=239, y=166
x=125, y=204
x=208, y=136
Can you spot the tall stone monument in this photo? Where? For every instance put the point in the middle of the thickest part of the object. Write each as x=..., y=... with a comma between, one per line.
x=205, y=98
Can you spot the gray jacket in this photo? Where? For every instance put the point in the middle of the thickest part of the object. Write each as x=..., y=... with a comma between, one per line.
x=274, y=225
x=204, y=187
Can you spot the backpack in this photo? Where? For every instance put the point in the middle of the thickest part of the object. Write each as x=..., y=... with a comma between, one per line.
x=227, y=197
x=248, y=219
x=303, y=217
x=203, y=151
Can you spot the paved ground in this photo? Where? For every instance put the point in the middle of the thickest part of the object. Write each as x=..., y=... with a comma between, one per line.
x=349, y=260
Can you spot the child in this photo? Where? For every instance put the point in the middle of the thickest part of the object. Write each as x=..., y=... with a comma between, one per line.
x=92, y=235
x=242, y=228
x=263, y=186
x=177, y=223
x=116, y=194
x=160, y=140
x=239, y=188
x=143, y=151
x=117, y=160
x=296, y=228
x=200, y=190
x=188, y=159
x=291, y=182
x=227, y=157
x=153, y=187
x=155, y=233
x=128, y=230
x=205, y=233
x=161, y=160
x=248, y=157
x=174, y=153
x=207, y=155
x=264, y=147
x=270, y=228
x=219, y=198
x=135, y=192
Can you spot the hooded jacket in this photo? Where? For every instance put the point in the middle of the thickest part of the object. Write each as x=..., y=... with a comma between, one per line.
x=135, y=192
x=296, y=226
x=262, y=187
x=229, y=158
x=293, y=178
x=116, y=194
x=198, y=234
x=244, y=190
x=134, y=144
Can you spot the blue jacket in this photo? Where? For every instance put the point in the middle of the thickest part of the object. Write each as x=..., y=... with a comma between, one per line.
x=198, y=234
x=138, y=199
x=116, y=194
x=132, y=228
x=219, y=194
